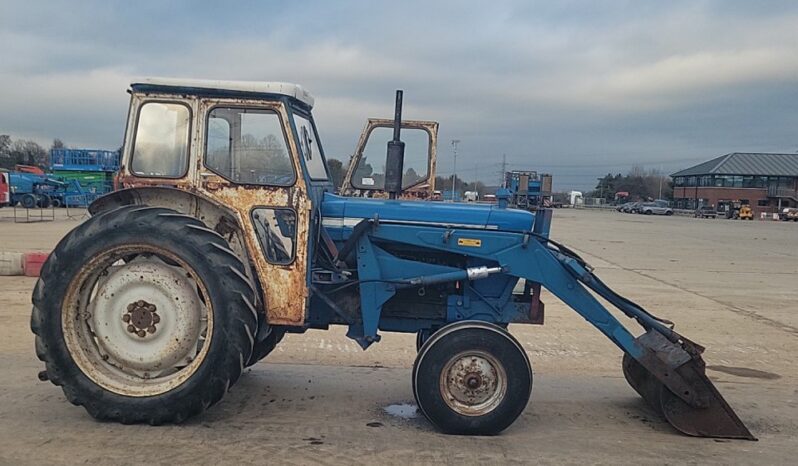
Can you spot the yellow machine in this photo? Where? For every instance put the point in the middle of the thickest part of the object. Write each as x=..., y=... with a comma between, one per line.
x=746, y=213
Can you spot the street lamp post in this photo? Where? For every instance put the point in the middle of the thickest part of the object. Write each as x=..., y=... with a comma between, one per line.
x=455, y=142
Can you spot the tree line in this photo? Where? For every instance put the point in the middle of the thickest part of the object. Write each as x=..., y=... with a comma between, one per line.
x=641, y=184
x=24, y=152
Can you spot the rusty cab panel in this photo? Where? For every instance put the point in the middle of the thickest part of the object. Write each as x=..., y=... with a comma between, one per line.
x=365, y=174
x=243, y=155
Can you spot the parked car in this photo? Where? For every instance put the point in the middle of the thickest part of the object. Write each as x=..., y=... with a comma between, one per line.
x=655, y=208
x=706, y=212
x=632, y=207
x=789, y=213
x=623, y=207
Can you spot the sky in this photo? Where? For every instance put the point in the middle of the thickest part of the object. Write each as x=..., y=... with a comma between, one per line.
x=574, y=88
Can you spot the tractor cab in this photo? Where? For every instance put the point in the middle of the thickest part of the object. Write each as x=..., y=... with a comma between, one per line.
x=249, y=155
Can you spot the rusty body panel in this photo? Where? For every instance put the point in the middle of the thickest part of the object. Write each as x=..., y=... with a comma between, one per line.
x=423, y=189
x=225, y=206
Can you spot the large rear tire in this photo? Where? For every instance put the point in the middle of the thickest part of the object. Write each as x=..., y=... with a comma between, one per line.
x=142, y=314
x=266, y=340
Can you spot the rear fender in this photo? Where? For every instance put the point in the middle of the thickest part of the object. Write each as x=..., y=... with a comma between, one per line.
x=214, y=215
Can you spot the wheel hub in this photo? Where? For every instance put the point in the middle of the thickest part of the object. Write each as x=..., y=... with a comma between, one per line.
x=473, y=383
x=141, y=318
x=162, y=317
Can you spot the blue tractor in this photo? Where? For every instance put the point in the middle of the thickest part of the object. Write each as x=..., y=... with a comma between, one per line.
x=227, y=236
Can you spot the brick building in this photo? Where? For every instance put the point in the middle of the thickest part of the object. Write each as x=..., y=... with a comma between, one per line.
x=766, y=182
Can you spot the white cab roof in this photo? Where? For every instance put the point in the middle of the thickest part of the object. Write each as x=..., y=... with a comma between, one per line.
x=263, y=87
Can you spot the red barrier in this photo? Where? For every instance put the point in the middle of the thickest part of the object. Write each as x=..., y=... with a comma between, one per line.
x=32, y=263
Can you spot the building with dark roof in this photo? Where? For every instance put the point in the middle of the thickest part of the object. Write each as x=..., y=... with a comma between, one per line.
x=766, y=182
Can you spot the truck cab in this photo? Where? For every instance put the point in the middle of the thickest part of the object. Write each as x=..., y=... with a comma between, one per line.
x=5, y=193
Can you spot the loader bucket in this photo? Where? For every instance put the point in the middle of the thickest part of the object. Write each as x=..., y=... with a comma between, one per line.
x=714, y=419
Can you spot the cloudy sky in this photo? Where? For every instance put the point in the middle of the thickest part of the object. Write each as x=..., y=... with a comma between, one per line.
x=574, y=88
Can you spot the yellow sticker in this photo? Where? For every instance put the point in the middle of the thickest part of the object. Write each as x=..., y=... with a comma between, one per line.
x=471, y=242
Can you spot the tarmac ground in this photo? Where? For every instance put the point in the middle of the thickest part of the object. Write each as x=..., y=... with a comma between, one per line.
x=318, y=399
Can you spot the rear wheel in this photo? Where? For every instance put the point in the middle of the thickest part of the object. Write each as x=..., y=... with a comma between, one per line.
x=472, y=378
x=44, y=201
x=28, y=201
x=266, y=340
x=142, y=314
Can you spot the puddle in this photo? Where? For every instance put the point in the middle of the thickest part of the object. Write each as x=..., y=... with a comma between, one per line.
x=404, y=410
x=745, y=372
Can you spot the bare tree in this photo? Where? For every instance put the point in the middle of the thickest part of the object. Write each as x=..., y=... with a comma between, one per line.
x=28, y=153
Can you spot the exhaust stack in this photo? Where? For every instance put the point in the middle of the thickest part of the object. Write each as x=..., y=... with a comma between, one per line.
x=394, y=162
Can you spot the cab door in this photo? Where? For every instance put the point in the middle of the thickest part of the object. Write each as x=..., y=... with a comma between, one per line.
x=248, y=162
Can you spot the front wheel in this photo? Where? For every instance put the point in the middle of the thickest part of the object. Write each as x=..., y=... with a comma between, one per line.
x=28, y=201
x=472, y=378
x=142, y=314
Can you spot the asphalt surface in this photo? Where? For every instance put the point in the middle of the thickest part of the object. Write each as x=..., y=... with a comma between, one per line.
x=318, y=399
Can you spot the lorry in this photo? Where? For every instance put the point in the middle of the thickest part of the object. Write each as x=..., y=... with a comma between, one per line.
x=228, y=235
x=5, y=189
x=575, y=198
x=529, y=190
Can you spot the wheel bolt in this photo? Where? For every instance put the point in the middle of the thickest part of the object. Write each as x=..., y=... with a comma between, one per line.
x=141, y=333
x=131, y=306
x=131, y=328
x=126, y=318
x=156, y=318
x=151, y=329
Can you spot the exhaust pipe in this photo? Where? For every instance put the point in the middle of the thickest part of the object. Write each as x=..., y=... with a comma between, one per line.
x=394, y=162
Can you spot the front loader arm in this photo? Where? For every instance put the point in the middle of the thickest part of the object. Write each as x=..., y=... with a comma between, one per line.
x=661, y=365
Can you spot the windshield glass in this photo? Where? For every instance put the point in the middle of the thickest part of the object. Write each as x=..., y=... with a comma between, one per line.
x=310, y=148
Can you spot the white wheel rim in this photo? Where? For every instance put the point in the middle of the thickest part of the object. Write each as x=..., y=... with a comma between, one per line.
x=140, y=327
x=473, y=383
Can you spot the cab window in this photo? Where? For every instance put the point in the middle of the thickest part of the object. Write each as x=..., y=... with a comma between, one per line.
x=248, y=146
x=160, y=145
x=310, y=148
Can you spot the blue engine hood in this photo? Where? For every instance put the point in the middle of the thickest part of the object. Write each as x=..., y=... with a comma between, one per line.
x=341, y=212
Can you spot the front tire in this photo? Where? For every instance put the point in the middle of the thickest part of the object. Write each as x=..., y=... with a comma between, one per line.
x=28, y=201
x=142, y=314
x=472, y=378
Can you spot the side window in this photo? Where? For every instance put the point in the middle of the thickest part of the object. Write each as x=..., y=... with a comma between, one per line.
x=160, y=145
x=276, y=230
x=248, y=146
x=310, y=147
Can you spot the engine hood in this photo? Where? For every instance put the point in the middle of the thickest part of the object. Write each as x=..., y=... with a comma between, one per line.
x=346, y=212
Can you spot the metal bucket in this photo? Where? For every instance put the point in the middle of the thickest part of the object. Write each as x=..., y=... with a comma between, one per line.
x=707, y=415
